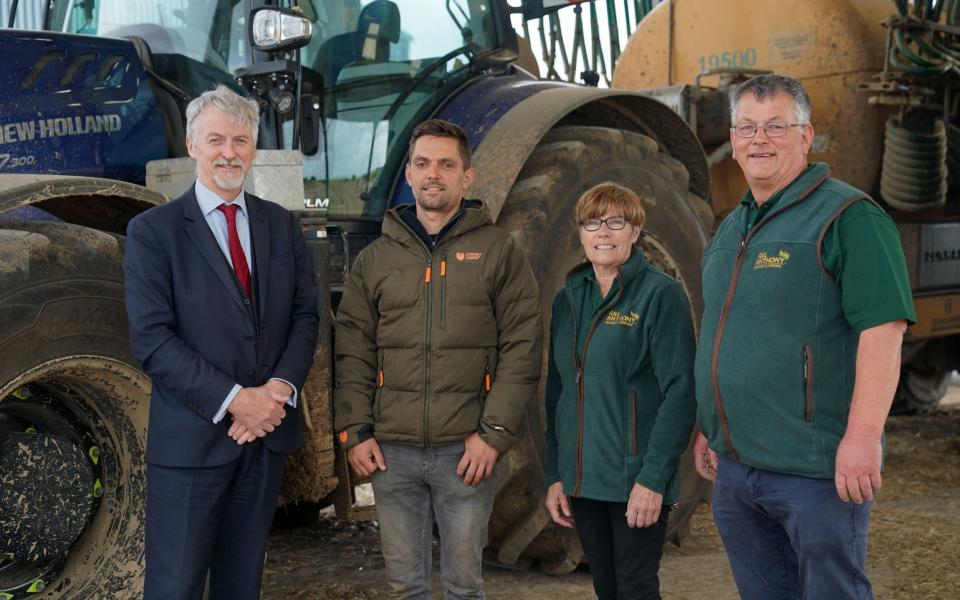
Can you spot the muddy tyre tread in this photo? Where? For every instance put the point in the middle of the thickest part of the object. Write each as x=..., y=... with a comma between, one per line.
x=63, y=332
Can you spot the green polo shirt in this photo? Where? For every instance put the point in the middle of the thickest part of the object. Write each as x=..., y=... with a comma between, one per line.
x=863, y=253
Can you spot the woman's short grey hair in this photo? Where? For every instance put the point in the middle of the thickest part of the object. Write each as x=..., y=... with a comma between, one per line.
x=768, y=86
x=241, y=110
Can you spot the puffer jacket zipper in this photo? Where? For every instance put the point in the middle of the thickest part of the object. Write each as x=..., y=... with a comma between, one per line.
x=428, y=346
x=486, y=372
x=443, y=291
x=379, y=393
x=429, y=256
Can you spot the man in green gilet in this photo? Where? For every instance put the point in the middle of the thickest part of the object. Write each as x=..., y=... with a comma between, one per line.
x=806, y=300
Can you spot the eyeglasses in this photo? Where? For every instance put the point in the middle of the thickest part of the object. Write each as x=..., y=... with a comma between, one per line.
x=772, y=130
x=613, y=224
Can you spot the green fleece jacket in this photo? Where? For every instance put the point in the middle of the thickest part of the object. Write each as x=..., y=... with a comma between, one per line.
x=435, y=344
x=620, y=410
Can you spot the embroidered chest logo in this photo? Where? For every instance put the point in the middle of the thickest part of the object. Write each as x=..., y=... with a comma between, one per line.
x=468, y=256
x=614, y=317
x=765, y=261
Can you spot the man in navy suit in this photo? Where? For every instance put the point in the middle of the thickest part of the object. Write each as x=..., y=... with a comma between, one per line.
x=222, y=310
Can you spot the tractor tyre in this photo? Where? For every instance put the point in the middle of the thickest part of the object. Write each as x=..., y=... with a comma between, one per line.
x=539, y=212
x=72, y=395
x=925, y=375
x=920, y=390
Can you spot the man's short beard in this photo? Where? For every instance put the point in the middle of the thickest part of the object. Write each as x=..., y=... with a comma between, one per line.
x=437, y=205
x=229, y=183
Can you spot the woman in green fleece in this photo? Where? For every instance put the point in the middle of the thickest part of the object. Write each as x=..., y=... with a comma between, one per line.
x=620, y=402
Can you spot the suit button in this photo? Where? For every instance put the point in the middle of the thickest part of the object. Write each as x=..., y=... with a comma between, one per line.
x=246, y=301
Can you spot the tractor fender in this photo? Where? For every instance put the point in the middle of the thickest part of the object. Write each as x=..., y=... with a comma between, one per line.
x=501, y=154
x=94, y=202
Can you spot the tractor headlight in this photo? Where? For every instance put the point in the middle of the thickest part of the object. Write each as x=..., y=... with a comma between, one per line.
x=278, y=29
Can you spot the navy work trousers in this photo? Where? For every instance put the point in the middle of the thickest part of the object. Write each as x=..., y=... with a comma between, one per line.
x=790, y=537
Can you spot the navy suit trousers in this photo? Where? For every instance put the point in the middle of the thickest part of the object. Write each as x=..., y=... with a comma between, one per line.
x=218, y=516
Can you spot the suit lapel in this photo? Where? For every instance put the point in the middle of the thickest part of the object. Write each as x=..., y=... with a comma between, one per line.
x=260, y=236
x=199, y=233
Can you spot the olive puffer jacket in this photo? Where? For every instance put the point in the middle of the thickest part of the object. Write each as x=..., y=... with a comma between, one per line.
x=435, y=344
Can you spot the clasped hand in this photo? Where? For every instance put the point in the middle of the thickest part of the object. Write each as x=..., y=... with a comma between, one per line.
x=256, y=411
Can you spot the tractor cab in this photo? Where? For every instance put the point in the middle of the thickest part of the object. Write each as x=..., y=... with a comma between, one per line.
x=385, y=65
x=348, y=98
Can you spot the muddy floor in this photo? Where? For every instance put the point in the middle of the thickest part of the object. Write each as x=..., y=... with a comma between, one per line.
x=914, y=550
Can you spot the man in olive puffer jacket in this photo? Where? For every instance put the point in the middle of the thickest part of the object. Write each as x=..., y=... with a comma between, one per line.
x=438, y=353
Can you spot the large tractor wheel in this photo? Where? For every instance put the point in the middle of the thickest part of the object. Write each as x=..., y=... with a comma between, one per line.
x=73, y=418
x=539, y=211
x=920, y=389
x=926, y=376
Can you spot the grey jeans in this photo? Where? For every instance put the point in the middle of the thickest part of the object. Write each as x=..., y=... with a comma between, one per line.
x=419, y=486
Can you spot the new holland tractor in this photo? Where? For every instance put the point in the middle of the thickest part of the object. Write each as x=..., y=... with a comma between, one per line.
x=91, y=134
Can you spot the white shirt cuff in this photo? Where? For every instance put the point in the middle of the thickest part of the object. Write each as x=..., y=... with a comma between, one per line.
x=226, y=403
x=292, y=401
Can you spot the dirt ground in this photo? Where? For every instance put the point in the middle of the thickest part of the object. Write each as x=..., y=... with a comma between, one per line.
x=914, y=550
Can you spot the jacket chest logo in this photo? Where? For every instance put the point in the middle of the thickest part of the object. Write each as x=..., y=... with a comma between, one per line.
x=468, y=256
x=765, y=261
x=615, y=317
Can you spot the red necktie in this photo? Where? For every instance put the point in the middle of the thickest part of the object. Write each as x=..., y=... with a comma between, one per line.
x=236, y=250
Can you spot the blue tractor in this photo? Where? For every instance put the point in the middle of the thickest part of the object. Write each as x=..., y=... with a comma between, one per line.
x=92, y=133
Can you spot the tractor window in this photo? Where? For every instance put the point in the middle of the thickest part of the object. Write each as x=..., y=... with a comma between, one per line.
x=195, y=43
x=384, y=65
x=29, y=14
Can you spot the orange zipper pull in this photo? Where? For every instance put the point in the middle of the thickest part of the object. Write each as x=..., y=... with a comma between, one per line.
x=486, y=381
x=443, y=268
x=426, y=276
x=380, y=378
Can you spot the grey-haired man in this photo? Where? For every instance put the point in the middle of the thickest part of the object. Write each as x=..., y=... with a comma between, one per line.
x=806, y=299
x=222, y=310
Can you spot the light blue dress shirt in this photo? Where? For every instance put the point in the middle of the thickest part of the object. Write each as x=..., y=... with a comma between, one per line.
x=217, y=221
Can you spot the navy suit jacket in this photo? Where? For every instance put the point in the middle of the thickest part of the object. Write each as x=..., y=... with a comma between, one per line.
x=197, y=335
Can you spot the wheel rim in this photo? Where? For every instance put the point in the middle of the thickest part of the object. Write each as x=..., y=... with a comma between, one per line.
x=94, y=405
